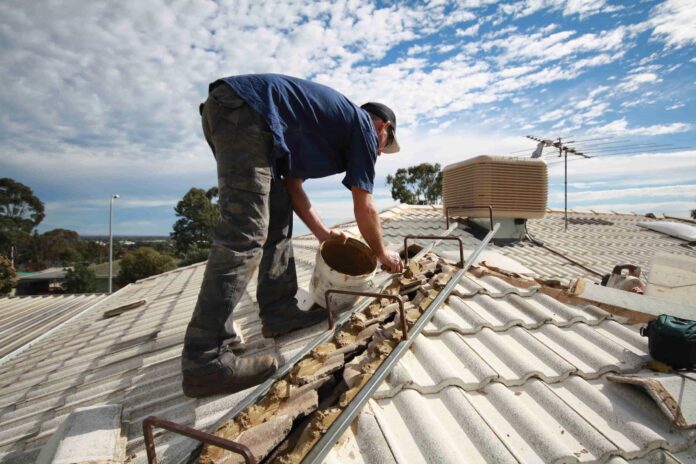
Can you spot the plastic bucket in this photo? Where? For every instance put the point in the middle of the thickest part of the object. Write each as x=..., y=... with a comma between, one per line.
x=349, y=266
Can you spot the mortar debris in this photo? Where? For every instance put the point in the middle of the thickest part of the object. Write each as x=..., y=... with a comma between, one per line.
x=335, y=372
x=318, y=425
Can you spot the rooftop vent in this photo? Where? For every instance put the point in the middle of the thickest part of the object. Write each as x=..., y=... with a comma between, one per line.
x=514, y=188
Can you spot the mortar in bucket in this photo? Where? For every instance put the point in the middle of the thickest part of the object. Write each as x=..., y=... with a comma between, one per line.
x=349, y=266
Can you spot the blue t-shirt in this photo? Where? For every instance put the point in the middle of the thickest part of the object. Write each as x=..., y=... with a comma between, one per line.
x=316, y=130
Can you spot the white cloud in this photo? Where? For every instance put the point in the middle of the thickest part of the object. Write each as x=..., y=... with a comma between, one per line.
x=638, y=169
x=644, y=193
x=120, y=82
x=121, y=203
x=648, y=59
x=418, y=49
x=657, y=182
x=582, y=8
x=469, y=31
x=598, y=90
x=620, y=126
x=633, y=82
x=637, y=102
x=541, y=47
x=669, y=207
x=673, y=22
x=554, y=115
x=676, y=106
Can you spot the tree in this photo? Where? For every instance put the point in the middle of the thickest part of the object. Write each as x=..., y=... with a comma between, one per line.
x=8, y=276
x=57, y=247
x=141, y=263
x=693, y=214
x=80, y=279
x=417, y=185
x=198, y=213
x=194, y=255
x=20, y=212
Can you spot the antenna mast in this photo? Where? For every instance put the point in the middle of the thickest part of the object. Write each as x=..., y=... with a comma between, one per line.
x=563, y=150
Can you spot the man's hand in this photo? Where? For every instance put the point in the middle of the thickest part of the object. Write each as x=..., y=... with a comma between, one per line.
x=391, y=261
x=334, y=235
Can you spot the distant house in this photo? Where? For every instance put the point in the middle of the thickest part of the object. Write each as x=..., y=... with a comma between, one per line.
x=42, y=282
x=50, y=281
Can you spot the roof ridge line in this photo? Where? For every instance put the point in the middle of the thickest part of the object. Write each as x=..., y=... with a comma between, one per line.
x=153, y=277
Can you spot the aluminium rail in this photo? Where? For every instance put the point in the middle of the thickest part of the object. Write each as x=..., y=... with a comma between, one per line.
x=191, y=454
x=343, y=421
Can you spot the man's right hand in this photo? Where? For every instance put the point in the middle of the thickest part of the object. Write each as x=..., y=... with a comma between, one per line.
x=391, y=261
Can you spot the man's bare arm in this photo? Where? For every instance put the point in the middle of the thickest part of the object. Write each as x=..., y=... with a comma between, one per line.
x=367, y=217
x=304, y=209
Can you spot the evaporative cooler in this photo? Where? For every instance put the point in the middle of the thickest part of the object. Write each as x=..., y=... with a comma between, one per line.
x=516, y=189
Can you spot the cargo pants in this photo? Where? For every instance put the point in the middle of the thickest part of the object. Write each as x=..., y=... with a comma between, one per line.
x=254, y=230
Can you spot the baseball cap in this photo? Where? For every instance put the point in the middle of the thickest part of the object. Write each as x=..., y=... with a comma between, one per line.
x=385, y=113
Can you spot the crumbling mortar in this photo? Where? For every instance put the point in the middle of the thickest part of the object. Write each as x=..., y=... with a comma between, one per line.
x=375, y=331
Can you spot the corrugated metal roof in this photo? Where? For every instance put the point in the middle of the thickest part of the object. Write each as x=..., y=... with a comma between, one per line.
x=132, y=359
x=23, y=319
x=46, y=274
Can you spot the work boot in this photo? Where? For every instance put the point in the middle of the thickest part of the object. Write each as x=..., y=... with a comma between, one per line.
x=288, y=320
x=234, y=374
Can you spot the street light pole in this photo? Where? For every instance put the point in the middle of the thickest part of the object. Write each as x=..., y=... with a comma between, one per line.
x=111, y=240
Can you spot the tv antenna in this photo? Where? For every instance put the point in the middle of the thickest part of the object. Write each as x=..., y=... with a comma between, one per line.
x=563, y=150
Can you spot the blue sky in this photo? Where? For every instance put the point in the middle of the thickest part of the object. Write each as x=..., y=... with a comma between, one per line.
x=101, y=97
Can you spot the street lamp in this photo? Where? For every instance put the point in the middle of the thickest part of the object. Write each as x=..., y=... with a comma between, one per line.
x=111, y=240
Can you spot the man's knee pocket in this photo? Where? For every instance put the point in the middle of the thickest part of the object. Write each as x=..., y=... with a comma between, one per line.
x=244, y=209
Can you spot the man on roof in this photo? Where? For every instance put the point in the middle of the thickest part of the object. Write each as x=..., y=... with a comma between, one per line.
x=268, y=134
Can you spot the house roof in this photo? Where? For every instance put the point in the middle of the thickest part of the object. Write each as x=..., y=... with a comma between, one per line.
x=24, y=319
x=51, y=273
x=593, y=244
x=504, y=374
x=133, y=359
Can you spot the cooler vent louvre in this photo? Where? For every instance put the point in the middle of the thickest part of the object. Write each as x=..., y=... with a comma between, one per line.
x=515, y=188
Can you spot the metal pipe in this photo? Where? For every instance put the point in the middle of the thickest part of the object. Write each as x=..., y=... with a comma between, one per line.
x=186, y=431
x=111, y=240
x=331, y=291
x=565, y=181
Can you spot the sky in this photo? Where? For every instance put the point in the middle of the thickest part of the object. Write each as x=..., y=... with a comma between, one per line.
x=101, y=98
